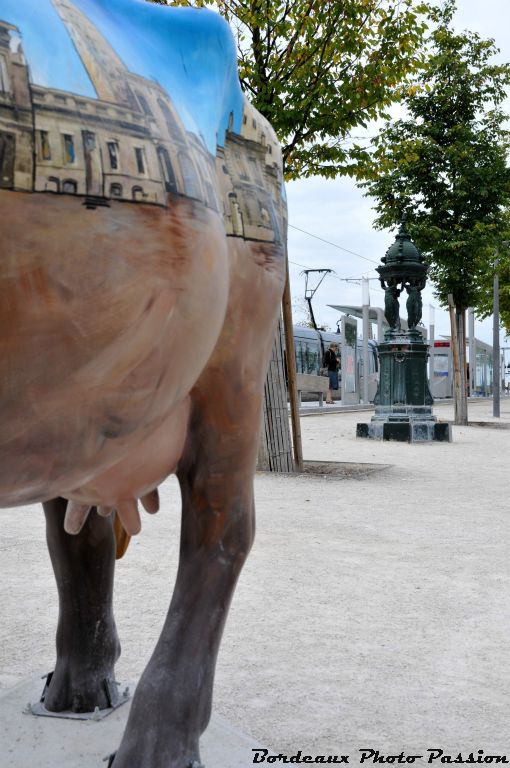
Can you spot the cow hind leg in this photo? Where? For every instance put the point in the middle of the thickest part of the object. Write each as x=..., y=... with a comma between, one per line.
x=87, y=643
x=172, y=704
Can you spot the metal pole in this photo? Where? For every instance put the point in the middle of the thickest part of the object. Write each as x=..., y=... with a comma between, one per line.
x=380, y=332
x=366, y=322
x=472, y=352
x=310, y=292
x=432, y=333
x=496, y=384
x=463, y=363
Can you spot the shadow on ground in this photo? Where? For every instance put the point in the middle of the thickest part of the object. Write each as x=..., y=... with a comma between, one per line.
x=350, y=470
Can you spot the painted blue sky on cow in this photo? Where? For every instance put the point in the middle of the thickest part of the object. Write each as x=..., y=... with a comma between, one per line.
x=189, y=52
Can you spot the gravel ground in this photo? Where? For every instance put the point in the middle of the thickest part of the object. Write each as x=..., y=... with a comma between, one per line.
x=374, y=610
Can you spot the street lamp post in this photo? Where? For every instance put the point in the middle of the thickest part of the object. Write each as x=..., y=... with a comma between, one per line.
x=432, y=335
x=472, y=351
x=366, y=324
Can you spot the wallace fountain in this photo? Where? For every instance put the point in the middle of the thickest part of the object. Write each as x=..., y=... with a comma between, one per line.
x=403, y=403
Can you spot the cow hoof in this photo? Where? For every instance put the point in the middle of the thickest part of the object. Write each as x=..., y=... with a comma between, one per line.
x=78, y=694
x=79, y=686
x=173, y=763
x=111, y=763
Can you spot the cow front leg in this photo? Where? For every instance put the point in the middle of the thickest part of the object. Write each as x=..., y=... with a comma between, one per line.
x=172, y=703
x=87, y=643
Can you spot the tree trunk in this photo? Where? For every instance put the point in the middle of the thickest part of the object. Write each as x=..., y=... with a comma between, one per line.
x=466, y=356
x=461, y=336
x=291, y=375
x=458, y=335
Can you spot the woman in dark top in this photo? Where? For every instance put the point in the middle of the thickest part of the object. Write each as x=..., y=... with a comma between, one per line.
x=331, y=362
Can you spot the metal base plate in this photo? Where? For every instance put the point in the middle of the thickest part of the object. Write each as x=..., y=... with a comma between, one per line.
x=45, y=743
x=114, y=696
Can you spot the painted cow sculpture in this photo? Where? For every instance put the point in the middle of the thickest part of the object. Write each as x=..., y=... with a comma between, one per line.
x=142, y=262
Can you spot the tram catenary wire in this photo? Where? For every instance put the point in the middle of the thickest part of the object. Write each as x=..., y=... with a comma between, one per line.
x=335, y=245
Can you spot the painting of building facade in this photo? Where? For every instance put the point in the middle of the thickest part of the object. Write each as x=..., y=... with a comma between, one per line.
x=128, y=142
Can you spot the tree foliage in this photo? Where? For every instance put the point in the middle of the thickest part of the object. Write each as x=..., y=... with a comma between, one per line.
x=504, y=295
x=485, y=304
x=445, y=163
x=320, y=69
x=445, y=166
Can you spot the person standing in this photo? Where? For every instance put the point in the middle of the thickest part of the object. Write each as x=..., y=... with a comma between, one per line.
x=332, y=362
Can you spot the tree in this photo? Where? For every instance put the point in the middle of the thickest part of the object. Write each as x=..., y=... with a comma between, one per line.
x=445, y=166
x=485, y=305
x=320, y=69
x=317, y=70
x=301, y=312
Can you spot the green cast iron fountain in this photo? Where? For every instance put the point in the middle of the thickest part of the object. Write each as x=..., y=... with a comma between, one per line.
x=403, y=403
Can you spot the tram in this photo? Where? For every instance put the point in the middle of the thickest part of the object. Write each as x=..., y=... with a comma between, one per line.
x=480, y=384
x=310, y=346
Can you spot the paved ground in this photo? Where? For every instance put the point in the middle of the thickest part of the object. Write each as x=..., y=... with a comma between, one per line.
x=51, y=742
x=374, y=610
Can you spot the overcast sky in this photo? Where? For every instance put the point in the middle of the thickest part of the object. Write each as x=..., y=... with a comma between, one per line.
x=337, y=211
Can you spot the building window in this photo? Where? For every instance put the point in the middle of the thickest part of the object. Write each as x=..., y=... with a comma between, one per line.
x=5, y=83
x=113, y=152
x=211, y=198
x=116, y=190
x=241, y=167
x=69, y=187
x=137, y=193
x=89, y=142
x=251, y=209
x=189, y=176
x=171, y=123
x=7, y=159
x=167, y=169
x=69, y=153
x=140, y=159
x=44, y=146
x=53, y=184
x=254, y=171
x=144, y=105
